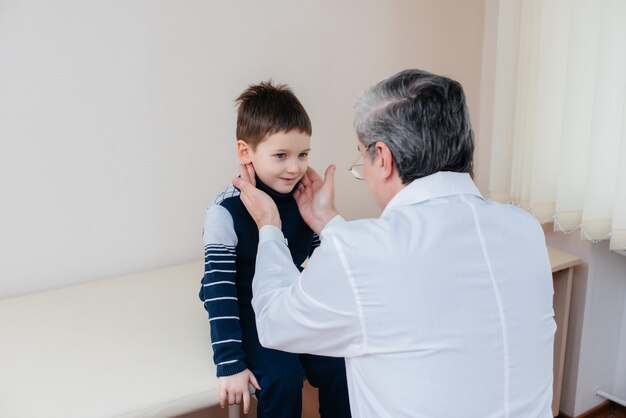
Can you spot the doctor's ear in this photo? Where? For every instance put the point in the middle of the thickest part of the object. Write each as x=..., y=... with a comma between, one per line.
x=243, y=152
x=385, y=160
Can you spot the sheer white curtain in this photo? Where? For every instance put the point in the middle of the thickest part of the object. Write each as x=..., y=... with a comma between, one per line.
x=559, y=122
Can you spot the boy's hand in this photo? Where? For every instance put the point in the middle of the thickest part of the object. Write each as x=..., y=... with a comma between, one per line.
x=234, y=389
x=259, y=205
x=316, y=198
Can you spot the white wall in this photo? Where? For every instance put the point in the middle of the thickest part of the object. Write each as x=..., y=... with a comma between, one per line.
x=117, y=119
x=596, y=356
x=620, y=368
x=596, y=343
x=602, y=350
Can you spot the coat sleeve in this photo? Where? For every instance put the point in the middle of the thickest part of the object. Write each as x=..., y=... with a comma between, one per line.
x=310, y=312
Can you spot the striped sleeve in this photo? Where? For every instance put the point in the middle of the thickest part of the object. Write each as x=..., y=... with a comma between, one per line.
x=218, y=291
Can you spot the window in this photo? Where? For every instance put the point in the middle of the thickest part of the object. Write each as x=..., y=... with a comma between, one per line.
x=559, y=119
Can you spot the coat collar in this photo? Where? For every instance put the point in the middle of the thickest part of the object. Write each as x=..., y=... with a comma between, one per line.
x=440, y=184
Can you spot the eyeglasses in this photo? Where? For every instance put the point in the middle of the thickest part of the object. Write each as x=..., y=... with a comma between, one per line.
x=356, y=168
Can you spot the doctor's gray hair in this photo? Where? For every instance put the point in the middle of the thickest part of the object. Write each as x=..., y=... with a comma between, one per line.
x=423, y=119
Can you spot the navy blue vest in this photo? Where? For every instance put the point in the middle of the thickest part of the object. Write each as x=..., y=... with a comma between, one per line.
x=298, y=234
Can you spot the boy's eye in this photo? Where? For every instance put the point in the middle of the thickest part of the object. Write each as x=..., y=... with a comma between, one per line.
x=280, y=155
x=303, y=155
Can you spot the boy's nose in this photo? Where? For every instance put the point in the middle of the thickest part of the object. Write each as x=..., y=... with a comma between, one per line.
x=293, y=167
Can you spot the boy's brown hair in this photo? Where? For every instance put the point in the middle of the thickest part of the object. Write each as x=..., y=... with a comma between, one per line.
x=264, y=109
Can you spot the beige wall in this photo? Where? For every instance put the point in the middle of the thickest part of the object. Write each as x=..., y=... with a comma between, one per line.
x=117, y=118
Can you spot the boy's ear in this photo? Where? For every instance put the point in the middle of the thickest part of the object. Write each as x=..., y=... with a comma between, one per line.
x=243, y=152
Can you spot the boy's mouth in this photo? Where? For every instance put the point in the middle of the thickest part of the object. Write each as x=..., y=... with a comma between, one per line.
x=289, y=180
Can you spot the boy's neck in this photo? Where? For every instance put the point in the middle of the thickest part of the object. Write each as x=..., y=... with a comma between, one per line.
x=271, y=192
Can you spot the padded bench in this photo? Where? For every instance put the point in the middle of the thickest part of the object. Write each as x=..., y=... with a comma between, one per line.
x=132, y=346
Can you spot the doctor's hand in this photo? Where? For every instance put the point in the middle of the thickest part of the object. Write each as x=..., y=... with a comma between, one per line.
x=234, y=389
x=316, y=198
x=259, y=205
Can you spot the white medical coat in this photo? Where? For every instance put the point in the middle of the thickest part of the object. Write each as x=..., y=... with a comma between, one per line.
x=442, y=307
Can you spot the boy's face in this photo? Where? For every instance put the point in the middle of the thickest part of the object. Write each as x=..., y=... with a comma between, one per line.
x=280, y=160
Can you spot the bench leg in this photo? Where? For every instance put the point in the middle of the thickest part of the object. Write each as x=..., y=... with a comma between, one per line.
x=233, y=411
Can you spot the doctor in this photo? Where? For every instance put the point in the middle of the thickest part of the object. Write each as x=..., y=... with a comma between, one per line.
x=442, y=306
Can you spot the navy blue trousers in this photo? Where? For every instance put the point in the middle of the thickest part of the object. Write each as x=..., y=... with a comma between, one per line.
x=281, y=374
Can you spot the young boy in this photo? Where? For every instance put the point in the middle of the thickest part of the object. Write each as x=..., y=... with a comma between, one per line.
x=273, y=133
